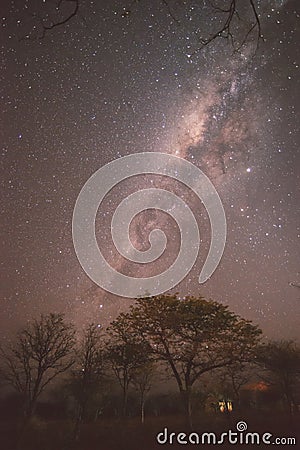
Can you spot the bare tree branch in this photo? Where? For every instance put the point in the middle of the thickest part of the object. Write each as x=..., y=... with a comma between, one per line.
x=227, y=28
x=41, y=352
x=225, y=31
x=42, y=21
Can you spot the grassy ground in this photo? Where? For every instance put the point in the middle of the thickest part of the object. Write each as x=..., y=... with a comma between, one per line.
x=130, y=434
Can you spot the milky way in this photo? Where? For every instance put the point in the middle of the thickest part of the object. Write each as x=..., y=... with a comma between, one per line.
x=104, y=86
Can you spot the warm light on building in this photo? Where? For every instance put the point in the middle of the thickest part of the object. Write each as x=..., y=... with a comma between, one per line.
x=225, y=405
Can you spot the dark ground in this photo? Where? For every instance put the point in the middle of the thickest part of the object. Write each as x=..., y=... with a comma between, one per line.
x=130, y=434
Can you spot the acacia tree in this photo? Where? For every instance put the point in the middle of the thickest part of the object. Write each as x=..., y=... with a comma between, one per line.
x=191, y=337
x=127, y=355
x=89, y=372
x=40, y=352
x=280, y=362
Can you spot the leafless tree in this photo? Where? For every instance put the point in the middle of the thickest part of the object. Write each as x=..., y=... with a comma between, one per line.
x=142, y=380
x=229, y=381
x=89, y=372
x=40, y=352
x=127, y=356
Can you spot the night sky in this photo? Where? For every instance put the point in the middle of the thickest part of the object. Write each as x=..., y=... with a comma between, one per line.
x=103, y=86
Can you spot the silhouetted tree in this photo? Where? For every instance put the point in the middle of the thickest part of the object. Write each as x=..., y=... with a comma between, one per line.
x=89, y=372
x=281, y=367
x=142, y=380
x=232, y=378
x=40, y=352
x=191, y=336
x=127, y=354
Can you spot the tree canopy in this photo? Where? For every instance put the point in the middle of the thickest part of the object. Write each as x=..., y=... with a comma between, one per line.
x=191, y=336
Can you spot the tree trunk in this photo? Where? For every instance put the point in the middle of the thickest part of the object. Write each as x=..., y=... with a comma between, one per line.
x=30, y=407
x=78, y=421
x=142, y=409
x=288, y=397
x=125, y=400
x=237, y=405
x=186, y=398
x=82, y=406
x=236, y=391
